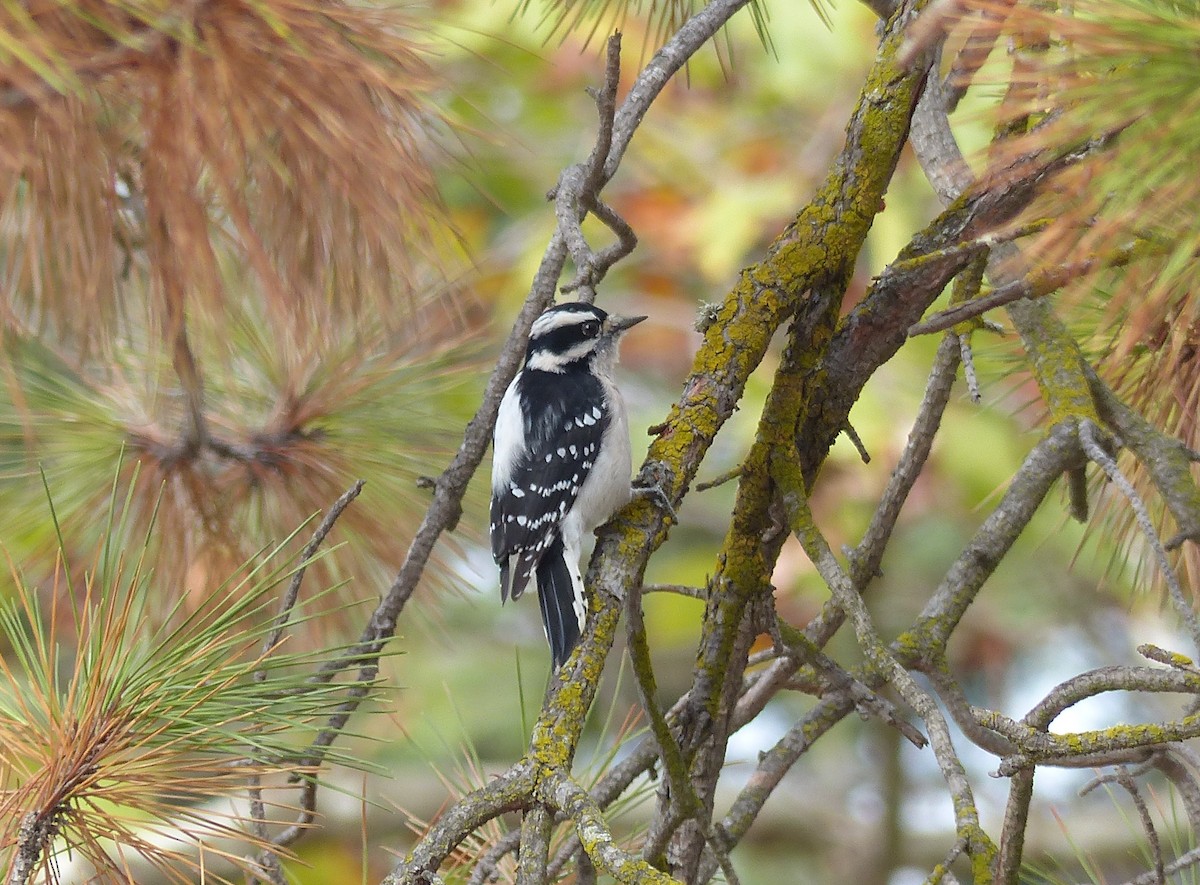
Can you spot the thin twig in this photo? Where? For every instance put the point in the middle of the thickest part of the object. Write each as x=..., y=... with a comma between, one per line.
x=1188, y=859
x=868, y=555
x=1170, y=658
x=1166, y=459
x=1043, y=283
x=941, y=873
x=974, y=53
x=1130, y=786
x=606, y=108
x=268, y=860
x=968, y=365
x=678, y=589
x=579, y=186
x=856, y=441
x=1105, y=679
x=487, y=867
x=1016, y=821
x=719, y=480
x=1089, y=437
x=1177, y=763
x=306, y=555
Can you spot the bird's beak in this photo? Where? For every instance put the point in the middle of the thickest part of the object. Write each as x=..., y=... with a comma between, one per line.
x=617, y=325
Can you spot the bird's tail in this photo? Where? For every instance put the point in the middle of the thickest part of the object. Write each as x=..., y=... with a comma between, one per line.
x=560, y=592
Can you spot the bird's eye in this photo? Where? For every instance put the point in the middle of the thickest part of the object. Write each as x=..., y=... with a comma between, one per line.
x=591, y=328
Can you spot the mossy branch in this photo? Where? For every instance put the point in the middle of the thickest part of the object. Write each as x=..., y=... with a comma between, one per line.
x=1166, y=460
x=511, y=791
x=1084, y=748
x=595, y=835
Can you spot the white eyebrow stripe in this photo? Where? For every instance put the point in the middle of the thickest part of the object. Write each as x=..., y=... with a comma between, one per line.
x=548, y=322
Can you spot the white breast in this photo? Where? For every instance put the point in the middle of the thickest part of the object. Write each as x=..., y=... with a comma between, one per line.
x=607, y=485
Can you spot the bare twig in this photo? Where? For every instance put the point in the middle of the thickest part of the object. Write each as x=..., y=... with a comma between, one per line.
x=677, y=589
x=1169, y=658
x=868, y=555
x=1105, y=679
x=1178, y=764
x=941, y=873
x=1037, y=285
x=268, y=861
x=1127, y=782
x=288, y=603
x=1089, y=437
x=1016, y=819
x=968, y=365
x=856, y=441
x=974, y=54
x=1188, y=859
x=719, y=480
x=578, y=191
x=487, y=867
x=1166, y=459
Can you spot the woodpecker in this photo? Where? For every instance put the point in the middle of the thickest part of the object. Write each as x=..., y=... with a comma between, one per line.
x=561, y=462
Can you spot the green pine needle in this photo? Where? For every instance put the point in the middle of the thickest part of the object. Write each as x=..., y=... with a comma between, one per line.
x=116, y=731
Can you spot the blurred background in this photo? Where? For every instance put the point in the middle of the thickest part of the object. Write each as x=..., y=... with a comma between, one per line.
x=721, y=164
x=723, y=161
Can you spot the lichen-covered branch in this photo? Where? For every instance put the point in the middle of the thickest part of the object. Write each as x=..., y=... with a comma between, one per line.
x=802, y=280
x=512, y=791
x=595, y=835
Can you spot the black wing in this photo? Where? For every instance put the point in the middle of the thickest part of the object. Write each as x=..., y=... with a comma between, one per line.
x=566, y=418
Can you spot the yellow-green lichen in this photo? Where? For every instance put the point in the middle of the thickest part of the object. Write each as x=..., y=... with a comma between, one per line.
x=1057, y=362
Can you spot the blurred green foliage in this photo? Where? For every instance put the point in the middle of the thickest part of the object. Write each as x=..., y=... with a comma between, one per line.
x=720, y=165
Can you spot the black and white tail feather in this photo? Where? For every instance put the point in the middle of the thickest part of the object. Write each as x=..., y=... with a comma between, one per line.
x=560, y=463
